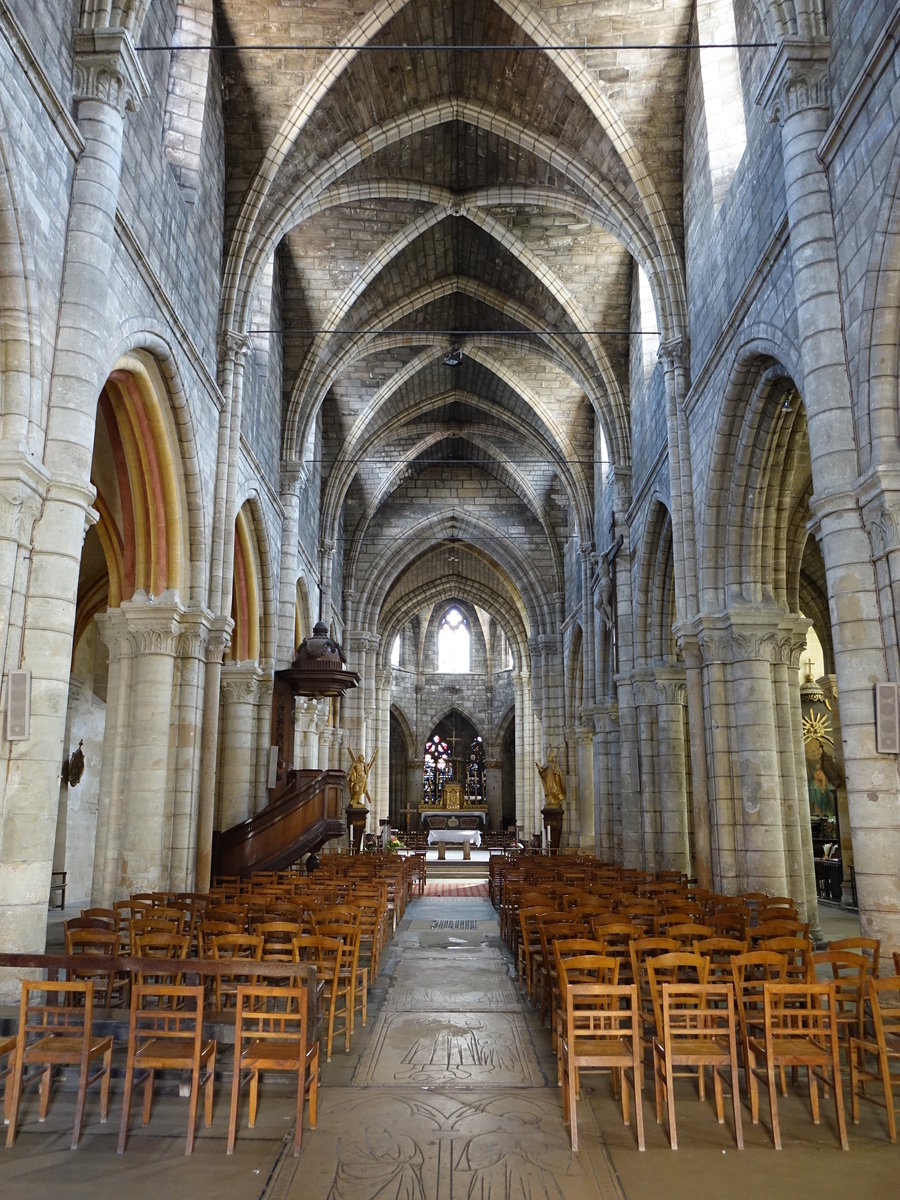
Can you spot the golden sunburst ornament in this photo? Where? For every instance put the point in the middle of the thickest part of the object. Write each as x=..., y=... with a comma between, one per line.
x=817, y=727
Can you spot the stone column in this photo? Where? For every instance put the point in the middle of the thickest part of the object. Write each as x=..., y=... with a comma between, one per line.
x=264, y=695
x=674, y=840
x=23, y=486
x=527, y=807
x=237, y=758
x=306, y=750
x=586, y=832
x=108, y=82
x=293, y=478
x=728, y=867
x=627, y=787
x=790, y=644
x=216, y=643
x=648, y=753
x=187, y=726
x=696, y=734
x=493, y=792
x=605, y=742
x=135, y=820
x=795, y=91
x=381, y=774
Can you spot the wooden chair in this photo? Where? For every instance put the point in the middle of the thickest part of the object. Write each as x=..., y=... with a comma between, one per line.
x=528, y=945
x=616, y=937
x=849, y=972
x=56, y=1030
x=160, y=944
x=602, y=1032
x=165, y=1033
x=797, y=952
x=243, y=949
x=800, y=1030
x=328, y=955
x=675, y=966
x=353, y=975
x=698, y=1030
x=110, y=987
x=550, y=927
x=870, y=946
x=7, y=1048
x=765, y=931
x=881, y=1048
x=640, y=950
x=750, y=973
x=720, y=951
x=573, y=966
x=270, y=1034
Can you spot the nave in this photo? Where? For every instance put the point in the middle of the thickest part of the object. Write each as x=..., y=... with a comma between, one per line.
x=450, y=1091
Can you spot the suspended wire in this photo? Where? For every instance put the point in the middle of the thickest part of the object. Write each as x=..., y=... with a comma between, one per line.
x=463, y=333
x=500, y=48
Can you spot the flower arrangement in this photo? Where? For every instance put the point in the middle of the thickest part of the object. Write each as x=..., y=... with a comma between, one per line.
x=394, y=844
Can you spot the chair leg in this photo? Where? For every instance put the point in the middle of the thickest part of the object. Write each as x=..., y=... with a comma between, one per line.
x=670, y=1105
x=126, y=1105
x=572, y=1093
x=11, y=1102
x=773, y=1103
x=235, y=1097
x=192, y=1112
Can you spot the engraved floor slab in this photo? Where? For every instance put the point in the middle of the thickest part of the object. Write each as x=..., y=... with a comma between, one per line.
x=450, y=1049
x=485, y=1145
x=431, y=985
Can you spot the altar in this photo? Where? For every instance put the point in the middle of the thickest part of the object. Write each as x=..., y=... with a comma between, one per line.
x=455, y=837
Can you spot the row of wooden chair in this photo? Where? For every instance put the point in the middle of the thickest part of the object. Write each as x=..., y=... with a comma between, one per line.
x=699, y=1023
x=165, y=1033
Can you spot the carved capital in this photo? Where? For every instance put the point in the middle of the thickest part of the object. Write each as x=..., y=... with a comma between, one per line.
x=240, y=683
x=107, y=69
x=675, y=354
x=235, y=345
x=670, y=687
x=20, y=507
x=796, y=81
x=142, y=626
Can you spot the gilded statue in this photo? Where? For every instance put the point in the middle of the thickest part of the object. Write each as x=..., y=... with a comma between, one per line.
x=552, y=780
x=358, y=778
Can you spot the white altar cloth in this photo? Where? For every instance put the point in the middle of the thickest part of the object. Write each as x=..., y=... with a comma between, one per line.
x=455, y=836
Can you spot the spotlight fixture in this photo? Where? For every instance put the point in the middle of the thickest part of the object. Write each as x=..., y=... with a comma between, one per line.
x=453, y=357
x=786, y=407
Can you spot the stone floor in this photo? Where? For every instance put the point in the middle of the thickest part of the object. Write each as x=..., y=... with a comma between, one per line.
x=449, y=1094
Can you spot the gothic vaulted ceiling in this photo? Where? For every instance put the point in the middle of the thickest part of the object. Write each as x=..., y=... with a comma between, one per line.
x=451, y=196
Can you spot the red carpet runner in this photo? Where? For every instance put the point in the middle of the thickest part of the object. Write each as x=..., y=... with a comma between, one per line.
x=476, y=889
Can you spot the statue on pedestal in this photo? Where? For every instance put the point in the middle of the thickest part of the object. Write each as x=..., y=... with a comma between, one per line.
x=552, y=780
x=358, y=778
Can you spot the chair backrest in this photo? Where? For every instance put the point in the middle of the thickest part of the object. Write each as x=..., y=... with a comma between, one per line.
x=167, y=1012
x=209, y=929
x=52, y=1008
x=273, y=1015
x=598, y=1018
x=693, y=1013
x=795, y=1011
x=641, y=948
x=586, y=968
x=884, y=1003
x=796, y=950
x=106, y=917
x=237, y=945
x=675, y=966
x=85, y=936
x=277, y=939
x=869, y=946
